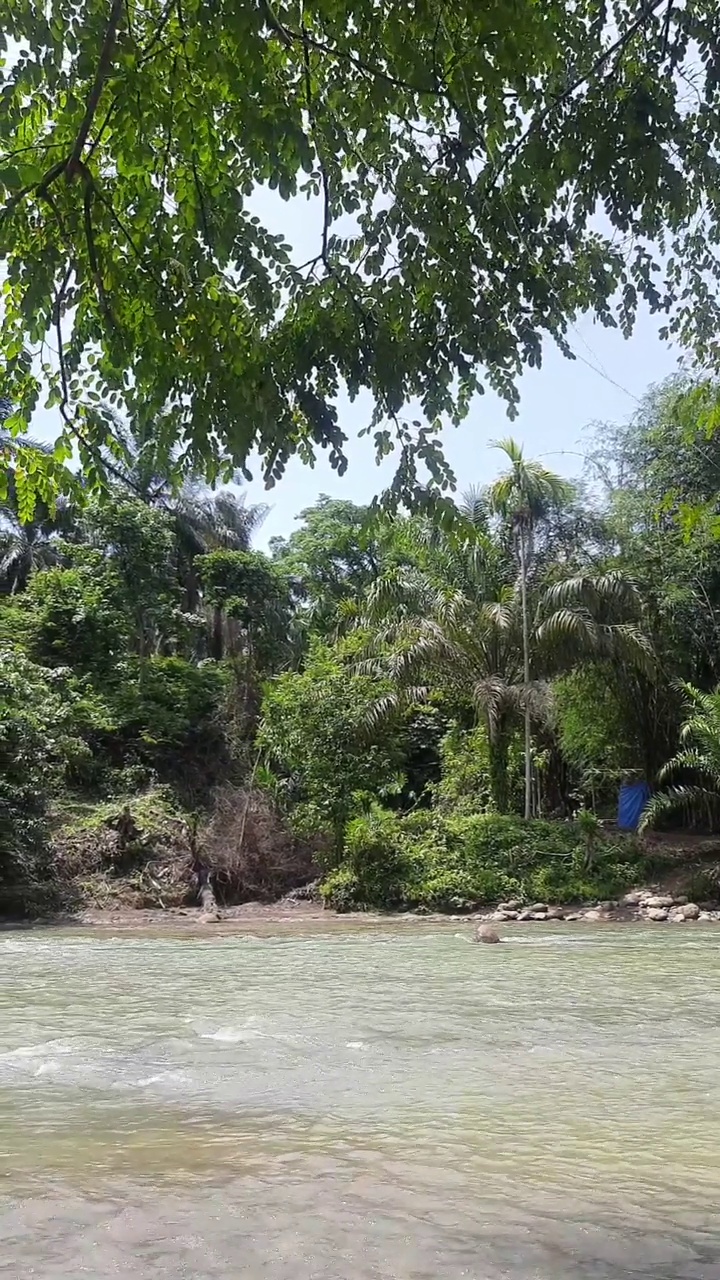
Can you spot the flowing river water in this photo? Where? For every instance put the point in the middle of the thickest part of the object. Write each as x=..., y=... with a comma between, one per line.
x=361, y=1102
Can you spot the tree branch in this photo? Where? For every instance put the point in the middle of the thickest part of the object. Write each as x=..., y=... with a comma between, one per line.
x=646, y=12
x=92, y=249
x=101, y=75
x=290, y=37
x=327, y=213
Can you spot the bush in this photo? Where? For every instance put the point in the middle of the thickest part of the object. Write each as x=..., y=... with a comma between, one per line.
x=341, y=891
x=317, y=731
x=41, y=713
x=77, y=617
x=457, y=890
x=456, y=864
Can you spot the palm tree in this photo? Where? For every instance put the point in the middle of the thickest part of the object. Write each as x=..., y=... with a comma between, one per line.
x=524, y=495
x=26, y=545
x=698, y=758
x=205, y=520
x=459, y=618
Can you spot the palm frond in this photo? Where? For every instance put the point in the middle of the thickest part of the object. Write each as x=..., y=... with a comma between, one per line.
x=593, y=592
x=691, y=760
x=694, y=802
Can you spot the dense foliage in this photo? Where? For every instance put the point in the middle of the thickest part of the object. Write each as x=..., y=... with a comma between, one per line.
x=456, y=158
x=384, y=696
x=459, y=863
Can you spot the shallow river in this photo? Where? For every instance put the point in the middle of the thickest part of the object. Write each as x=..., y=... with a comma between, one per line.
x=358, y=1103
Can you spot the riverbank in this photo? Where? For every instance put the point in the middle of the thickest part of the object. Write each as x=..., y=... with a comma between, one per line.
x=646, y=907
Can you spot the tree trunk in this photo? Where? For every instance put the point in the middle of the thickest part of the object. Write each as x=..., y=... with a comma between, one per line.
x=526, y=675
x=217, y=635
x=498, y=750
x=205, y=891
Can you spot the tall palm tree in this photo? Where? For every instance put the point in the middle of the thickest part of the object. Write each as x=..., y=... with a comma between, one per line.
x=460, y=619
x=524, y=495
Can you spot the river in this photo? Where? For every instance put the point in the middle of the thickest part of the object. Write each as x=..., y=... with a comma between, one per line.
x=361, y=1103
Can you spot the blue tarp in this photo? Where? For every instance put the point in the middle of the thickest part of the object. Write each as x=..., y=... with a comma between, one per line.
x=633, y=798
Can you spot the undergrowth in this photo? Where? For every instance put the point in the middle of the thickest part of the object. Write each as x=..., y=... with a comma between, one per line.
x=460, y=863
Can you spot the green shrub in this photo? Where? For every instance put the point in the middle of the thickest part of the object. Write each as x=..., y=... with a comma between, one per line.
x=341, y=891
x=460, y=890
x=457, y=863
x=374, y=853
x=169, y=702
x=46, y=715
x=31, y=747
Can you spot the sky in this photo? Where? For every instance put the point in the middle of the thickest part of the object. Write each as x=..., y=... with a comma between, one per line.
x=558, y=403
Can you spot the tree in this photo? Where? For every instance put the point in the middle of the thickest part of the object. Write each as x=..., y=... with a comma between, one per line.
x=204, y=519
x=26, y=546
x=315, y=732
x=250, y=602
x=660, y=477
x=696, y=795
x=458, y=623
x=42, y=715
x=332, y=558
x=525, y=495
x=471, y=147
x=137, y=542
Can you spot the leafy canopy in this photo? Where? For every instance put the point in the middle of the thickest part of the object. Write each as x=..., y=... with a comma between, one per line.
x=457, y=158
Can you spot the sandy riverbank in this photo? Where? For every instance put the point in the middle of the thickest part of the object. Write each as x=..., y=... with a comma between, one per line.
x=287, y=912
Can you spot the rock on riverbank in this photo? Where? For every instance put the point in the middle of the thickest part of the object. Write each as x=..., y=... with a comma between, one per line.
x=641, y=904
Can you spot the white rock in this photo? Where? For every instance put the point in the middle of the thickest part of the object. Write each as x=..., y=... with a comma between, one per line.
x=659, y=900
x=525, y=915
x=539, y=906
x=538, y=915
x=658, y=914
x=555, y=913
x=691, y=911
x=502, y=914
x=635, y=898
x=593, y=915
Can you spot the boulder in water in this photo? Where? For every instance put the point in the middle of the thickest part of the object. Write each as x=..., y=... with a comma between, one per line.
x=486, y=933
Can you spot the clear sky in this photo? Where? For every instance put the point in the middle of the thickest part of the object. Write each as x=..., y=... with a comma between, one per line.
x=558, y=404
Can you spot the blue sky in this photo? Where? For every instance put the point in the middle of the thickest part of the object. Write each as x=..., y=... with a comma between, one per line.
x=559, y=402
